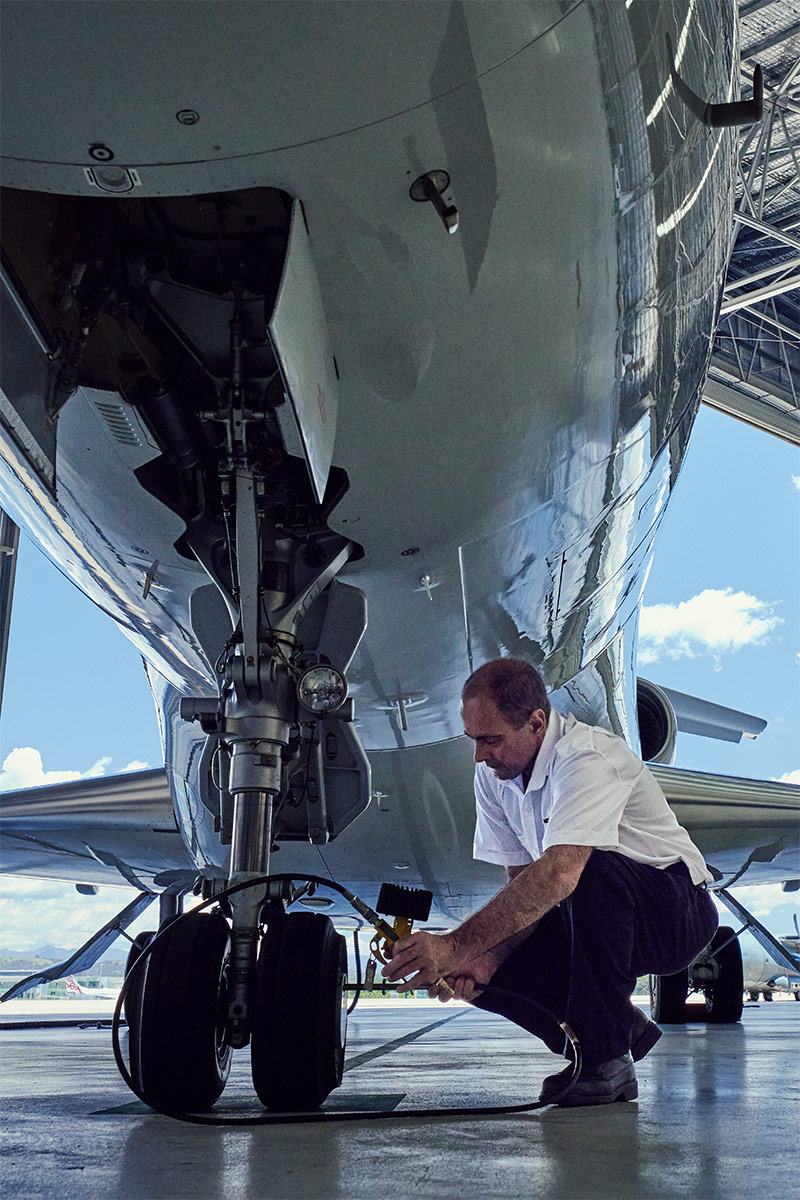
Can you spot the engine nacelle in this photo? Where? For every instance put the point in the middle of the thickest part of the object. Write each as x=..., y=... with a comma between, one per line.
x=658, y=726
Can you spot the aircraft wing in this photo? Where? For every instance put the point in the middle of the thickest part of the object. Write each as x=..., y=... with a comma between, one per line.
x=748, y=830
x=121, y=830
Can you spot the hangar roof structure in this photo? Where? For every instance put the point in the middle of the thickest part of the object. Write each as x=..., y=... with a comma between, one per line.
x=755, y=369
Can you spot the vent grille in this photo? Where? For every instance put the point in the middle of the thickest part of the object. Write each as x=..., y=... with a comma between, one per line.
x=119, y=424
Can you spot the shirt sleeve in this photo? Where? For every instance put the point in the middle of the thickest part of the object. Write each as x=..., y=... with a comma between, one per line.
x=589, y=798
x=495, y=840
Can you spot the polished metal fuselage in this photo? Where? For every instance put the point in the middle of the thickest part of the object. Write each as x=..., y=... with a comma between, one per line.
x=515, y=400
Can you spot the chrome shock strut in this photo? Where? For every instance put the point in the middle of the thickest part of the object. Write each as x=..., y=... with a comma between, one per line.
x=259, y=704
x=260, y=707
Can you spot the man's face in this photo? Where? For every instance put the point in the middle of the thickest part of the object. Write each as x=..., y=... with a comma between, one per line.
x=506, y=750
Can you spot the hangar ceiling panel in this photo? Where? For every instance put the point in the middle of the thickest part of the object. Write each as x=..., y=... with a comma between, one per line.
x=755, y=370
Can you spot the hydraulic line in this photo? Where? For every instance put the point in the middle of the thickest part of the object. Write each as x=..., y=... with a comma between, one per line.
x=322, y=1117
x=359, y=979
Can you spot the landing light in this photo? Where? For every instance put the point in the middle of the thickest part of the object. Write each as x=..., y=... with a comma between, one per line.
x=322, y=689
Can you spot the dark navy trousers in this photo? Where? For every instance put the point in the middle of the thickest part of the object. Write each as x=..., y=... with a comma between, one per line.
x=582, y=960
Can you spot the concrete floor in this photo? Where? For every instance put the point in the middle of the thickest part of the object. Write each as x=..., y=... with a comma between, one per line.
x=716, y=1117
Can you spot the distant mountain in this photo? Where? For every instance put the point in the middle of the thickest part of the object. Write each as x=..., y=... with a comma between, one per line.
x=118, y=953
x=57, y=953
x=49, y=952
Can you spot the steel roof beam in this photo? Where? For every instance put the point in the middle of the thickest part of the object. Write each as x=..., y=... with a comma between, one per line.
x=772, y=289
x=753, y=6
x=764, y=317
x=758, y=334
x=746, y=280
x=780, y=235
x=774, y=39
x=763, y=411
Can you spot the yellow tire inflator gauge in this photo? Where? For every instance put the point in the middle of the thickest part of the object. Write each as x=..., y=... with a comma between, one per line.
x=406, y=905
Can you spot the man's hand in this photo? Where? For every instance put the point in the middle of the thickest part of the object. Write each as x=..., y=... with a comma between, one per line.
x=425, y=957
x=505, y=920
x=464, y=988
x=472, y=977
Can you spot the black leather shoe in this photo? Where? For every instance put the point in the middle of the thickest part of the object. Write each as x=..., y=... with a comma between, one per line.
x=603, y=1084
x=644, y=1036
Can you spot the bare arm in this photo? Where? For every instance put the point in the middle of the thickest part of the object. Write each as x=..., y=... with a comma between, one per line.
x=513, y=872
x=477, y=972
x=532, y=891
x=501, y=952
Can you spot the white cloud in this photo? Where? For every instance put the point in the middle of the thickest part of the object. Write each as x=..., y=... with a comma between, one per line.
x=23, y=768
x=789, y=777
x=715, y=621
x=796, y=481
x=40, y=912
x=36, y=912
x=764, y=901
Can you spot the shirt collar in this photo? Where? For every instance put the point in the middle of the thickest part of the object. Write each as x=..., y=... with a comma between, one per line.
x=542, y=765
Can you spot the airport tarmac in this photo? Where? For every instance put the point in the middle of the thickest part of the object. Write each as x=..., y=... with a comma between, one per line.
x=716, y=1117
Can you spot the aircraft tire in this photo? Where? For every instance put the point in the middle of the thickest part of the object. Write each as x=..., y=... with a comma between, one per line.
x=298, y=1032
x=133, y=996
x=725, y=997
x=179, y=1056
x=668, y=998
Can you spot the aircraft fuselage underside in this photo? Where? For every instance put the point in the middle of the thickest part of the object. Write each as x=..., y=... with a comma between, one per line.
x=252, y=376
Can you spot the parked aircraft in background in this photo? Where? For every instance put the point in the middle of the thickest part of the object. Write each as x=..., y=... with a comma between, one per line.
x=98, y=993
x=765, y=977
x=405, y=307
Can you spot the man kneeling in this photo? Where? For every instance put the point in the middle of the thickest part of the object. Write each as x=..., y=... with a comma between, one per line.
x=604, y=885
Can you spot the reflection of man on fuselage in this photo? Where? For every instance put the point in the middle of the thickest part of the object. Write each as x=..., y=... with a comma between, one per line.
x=604, y=884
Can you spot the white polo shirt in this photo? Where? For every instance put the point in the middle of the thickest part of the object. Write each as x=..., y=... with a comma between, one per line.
x=587, y=788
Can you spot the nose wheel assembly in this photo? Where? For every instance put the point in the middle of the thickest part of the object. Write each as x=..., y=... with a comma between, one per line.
x=177, y=1000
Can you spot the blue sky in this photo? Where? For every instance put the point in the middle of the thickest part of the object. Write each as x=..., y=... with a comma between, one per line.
x=721, y=621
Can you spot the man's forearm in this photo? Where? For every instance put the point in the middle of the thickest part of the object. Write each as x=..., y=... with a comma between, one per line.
x=421, y=958
x=501, y=951
x=510, y=916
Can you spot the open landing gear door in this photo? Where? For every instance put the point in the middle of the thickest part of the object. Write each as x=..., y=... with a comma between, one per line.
x=299, y=336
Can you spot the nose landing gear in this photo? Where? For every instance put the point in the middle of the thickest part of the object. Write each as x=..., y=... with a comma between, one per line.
x=209, y=988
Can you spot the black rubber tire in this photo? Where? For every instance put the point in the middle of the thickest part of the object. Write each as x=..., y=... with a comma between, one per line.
x=298, y=1031
x=179, y=1055
x=133, y=996
x=725, y=997
x=668, y=995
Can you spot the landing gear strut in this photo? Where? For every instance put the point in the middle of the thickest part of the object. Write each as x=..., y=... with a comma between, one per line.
x=262, y=536
x=717, y=972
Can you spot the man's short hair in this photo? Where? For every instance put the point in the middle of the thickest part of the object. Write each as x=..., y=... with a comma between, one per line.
x=515, y=687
